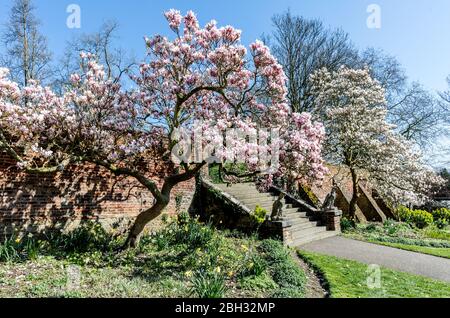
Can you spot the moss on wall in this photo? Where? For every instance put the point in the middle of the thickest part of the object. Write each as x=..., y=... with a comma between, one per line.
x=306, y=194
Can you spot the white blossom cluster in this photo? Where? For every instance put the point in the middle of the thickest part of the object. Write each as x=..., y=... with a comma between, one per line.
x=359, y=137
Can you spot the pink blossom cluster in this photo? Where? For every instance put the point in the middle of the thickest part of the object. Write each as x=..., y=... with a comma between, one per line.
x=202, y=74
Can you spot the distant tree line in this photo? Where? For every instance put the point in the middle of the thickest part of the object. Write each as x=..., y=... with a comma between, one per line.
x=304, y=46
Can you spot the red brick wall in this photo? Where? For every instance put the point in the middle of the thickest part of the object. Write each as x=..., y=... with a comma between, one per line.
x=80, y=192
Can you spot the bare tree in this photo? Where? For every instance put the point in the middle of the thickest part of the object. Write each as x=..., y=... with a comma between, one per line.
x=446, y=95
x=387, y=70
x=417, y=114
x=102, y=44
x=445, y=103
x=303, y=46
x=26, y=50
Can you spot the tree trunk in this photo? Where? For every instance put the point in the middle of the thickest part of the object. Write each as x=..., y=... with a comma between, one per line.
x=162, y=201
x=141, y=221
x=354, y=200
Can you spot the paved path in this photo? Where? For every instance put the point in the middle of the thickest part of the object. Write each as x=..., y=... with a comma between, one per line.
x=405, y=261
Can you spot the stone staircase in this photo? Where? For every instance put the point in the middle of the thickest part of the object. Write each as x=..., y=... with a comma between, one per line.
x=299, y=226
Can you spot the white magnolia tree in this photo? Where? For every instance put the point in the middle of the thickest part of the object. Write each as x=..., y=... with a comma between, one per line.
x=359, y=137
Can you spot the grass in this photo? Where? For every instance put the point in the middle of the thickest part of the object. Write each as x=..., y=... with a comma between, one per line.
x=438, y=234
x=435, y=251
x=48, y=277
x=184, y=259
x=431, y=240
x=349, y=279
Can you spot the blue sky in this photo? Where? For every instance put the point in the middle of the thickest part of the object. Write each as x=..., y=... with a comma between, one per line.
x=415, y=31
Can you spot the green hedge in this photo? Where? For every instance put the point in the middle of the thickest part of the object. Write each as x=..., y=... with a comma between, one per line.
x=419, y=218
x=441, y=214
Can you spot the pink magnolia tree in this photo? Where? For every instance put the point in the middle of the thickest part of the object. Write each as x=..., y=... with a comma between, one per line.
x=202, y=81
x=359, y=137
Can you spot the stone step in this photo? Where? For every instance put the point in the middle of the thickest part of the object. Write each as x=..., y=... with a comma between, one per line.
x=299, y=215
x=287, y=211
x=297, y=234
x=258, y=196
x=259, y=201
x=302, y=220
x=242, y=186
x=312, y=238
x=243, y=189
x=246, y=194
x=265, y=205
x=295, y=213
x=302, y=227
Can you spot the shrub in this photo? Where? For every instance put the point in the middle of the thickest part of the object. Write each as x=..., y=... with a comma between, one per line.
x=259, y=215
x=371, y=227
x=87, y=237
x=255, y=266
x=441, y=217
x=419, y=218
x=183, y=218
x=208, y=285
x=441, y=223
x=261, y=282
x=347, y=225
x=288, y=274
x=185, y=230
x=273, y=251
x=391, y=227
x=194, y=234
x=162, y=241
x=288, y=292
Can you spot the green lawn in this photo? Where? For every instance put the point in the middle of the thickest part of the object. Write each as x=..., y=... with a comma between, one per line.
x=431, y=240
x=348, y=279
x=436, y=251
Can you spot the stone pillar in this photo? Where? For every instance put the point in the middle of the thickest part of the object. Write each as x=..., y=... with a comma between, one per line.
x=332, y=219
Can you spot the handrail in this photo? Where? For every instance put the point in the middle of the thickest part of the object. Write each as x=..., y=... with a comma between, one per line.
x=300, y=202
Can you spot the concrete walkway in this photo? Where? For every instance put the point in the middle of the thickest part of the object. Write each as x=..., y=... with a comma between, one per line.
x=397, y=259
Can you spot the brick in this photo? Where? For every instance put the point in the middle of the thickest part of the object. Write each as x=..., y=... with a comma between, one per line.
x=79, y=192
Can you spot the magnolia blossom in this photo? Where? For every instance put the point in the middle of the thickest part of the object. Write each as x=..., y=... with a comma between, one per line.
x=200, y=75
x=207, y=75
x=359, y=137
